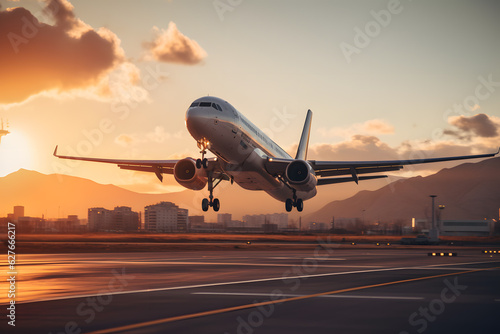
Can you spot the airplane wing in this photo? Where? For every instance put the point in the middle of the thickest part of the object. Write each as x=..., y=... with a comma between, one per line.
x=326, y=169
x=158, y=167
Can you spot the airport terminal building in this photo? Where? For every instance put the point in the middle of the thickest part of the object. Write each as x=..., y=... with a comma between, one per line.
x=479, y=228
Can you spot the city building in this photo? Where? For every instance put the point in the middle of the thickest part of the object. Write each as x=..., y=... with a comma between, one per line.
x=224, y=219
x=318, y=227
x=196, y=220
x=124, y=219
x=121, y=219
x=182, y=220
x=165, y=217
x=18, y=212
x=278, y=219
x=100, y=220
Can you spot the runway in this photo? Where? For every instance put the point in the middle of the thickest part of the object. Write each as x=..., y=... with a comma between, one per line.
x=321, y=290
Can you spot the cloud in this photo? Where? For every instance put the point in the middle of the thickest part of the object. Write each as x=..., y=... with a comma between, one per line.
x=358, y=147
x=477, y=134
x=67, y=56
x=171, y=46
x=480, y=125
x=371, y=127
x=126, y=140
x=158, y=135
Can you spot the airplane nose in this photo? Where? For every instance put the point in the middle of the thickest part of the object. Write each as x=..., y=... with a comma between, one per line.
x=196, y=122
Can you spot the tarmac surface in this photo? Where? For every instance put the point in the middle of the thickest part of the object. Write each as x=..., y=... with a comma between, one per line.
x=320, y=290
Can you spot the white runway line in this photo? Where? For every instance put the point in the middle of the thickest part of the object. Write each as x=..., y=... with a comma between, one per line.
x=213, y=284
x=294, y=295
x=324, y=258
x=197, y=263
x=242, y=282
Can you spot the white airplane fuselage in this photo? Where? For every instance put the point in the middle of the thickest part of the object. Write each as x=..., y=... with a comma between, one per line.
x=240, y=146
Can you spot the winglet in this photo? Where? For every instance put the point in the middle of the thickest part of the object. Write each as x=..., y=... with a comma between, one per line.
x=304, y=139
x=55, y=151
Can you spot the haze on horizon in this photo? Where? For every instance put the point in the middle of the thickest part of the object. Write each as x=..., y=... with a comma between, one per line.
x=385, y=79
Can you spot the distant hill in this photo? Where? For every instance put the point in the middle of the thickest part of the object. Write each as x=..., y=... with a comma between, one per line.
x=469, y=191
x=58, y=195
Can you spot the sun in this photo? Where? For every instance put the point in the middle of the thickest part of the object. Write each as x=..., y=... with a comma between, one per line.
x=15, y=153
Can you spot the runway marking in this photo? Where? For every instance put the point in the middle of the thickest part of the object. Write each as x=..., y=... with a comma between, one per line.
x=239, y=282
x=211, y=284
x=279, y=301
x=441, y=268
x=294, y=295
x=220, y=263
x=324, y=258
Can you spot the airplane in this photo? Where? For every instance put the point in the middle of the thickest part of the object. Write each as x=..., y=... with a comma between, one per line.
x=246, y=155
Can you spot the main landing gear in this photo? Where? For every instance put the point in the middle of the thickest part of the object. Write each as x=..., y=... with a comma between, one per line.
x=295, y=202
x=203, y=162
x=211, y=201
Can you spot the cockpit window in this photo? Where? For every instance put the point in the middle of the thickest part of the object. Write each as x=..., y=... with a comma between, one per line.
x=194, y=104
x=205, y=104
x=216, y=106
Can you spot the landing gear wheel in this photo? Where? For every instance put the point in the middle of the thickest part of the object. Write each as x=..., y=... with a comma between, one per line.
x=204, y=163
x=299, y=205
x=198, y=163
x=288, y=205
x=204, y=204
x=216, y=204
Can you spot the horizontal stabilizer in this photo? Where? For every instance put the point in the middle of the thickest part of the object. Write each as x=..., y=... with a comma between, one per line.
x=348, y=179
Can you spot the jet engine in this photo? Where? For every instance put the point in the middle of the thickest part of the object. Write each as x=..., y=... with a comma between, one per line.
x=300, y=175
x=187, y=175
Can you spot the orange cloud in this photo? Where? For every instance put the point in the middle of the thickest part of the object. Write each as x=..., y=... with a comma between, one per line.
x=480, y=125
x=171, y=46
x=38, y=57
x=371, y=127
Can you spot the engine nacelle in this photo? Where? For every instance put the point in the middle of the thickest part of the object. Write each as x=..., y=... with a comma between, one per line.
x=300, y=175
x=187, y=175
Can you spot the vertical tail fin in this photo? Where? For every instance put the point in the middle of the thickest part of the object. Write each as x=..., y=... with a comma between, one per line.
x=304, y=139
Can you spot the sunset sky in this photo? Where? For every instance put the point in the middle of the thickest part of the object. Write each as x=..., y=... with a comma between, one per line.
x=113, y=78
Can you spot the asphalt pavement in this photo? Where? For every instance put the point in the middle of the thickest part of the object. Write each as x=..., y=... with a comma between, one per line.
x=322, y=290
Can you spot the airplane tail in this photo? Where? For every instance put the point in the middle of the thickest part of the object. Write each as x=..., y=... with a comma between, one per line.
x=304, y=139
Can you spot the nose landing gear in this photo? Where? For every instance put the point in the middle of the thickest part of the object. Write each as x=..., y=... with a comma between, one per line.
x=202, y=145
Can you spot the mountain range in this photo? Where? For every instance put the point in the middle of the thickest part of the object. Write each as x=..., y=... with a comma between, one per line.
x=57, y=195
x=468, y=191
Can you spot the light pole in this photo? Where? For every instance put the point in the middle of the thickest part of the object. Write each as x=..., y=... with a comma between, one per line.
x=433, y=233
